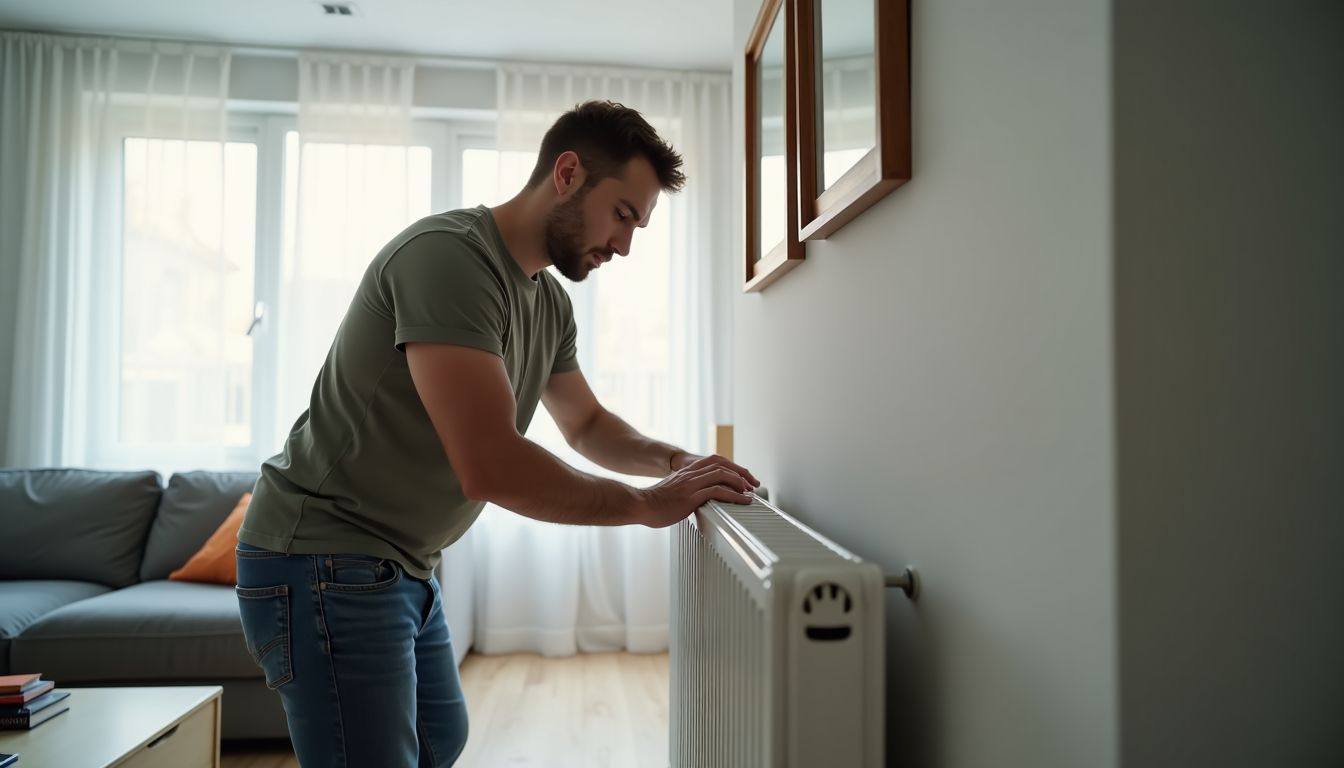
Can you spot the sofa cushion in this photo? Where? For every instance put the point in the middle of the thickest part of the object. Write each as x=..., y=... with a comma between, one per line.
x=75, y=524
x=157, y=630
x=193, y=506
x=217, y=561
x=24, y=602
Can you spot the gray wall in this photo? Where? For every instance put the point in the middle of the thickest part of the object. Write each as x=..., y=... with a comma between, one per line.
x=933, y=386
x=260, y=79
x=1229, y=267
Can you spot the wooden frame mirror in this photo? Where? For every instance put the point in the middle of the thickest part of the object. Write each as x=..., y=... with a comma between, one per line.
x=772, y=244
x=853, y=108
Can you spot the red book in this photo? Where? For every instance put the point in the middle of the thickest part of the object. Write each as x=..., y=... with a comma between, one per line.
x=18, y=683
x=28, y=695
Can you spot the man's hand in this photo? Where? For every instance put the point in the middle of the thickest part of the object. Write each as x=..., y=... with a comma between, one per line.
x=697, y=479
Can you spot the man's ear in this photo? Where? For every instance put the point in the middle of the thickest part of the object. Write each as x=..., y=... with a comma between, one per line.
x=568, y=175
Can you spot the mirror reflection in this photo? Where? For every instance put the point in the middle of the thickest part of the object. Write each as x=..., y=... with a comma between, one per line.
x=847, y=125
x=770, y=168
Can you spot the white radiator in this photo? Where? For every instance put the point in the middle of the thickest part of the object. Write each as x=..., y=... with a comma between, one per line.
x=776, y=645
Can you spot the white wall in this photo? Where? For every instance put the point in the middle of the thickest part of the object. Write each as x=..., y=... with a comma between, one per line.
x=1229, y=268
x=933, y=386
x=1084, y=371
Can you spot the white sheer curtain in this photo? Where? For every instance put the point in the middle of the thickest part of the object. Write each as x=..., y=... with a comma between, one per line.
x=89, y=127
x=353, y=181
x=652, y=339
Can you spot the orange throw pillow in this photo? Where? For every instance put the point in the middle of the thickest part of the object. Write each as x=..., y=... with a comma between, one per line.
x=216, y=563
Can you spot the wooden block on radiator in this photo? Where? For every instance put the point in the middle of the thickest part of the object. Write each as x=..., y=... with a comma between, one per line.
x=721, y=440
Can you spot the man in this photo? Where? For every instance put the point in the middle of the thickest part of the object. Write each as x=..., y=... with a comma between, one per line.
x=416, y=420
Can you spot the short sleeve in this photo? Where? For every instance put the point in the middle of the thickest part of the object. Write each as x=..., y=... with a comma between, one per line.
x=566, y=353
x=443, y=289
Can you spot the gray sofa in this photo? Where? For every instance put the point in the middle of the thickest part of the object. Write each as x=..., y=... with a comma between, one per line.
x=85, y=597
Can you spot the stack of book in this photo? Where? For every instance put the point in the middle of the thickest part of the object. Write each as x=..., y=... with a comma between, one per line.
x=28, y=700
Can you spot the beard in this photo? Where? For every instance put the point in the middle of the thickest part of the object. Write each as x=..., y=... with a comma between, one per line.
x=564, y=238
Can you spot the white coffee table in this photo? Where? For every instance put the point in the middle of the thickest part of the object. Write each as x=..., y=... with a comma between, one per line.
x=160, y=727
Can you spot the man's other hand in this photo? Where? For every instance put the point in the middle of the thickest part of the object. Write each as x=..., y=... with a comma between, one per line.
x=697, y=479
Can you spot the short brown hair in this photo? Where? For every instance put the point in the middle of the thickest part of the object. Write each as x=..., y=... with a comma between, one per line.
x=606, y=135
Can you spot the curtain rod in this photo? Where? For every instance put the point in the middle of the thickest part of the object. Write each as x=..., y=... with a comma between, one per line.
x=149, y=43
x=145, y=44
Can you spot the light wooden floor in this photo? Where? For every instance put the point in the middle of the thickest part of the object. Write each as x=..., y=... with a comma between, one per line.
x=597, y=709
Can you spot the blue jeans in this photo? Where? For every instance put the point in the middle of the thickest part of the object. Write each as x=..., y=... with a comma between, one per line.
x=360, y=654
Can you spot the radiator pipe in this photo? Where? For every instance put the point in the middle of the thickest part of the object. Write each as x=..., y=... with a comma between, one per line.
x=907, y=582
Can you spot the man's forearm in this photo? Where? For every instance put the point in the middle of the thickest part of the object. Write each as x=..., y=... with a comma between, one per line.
x=531, y=481
x=612, y=443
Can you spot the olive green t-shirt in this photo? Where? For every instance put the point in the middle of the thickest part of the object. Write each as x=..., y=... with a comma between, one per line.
x=363, y=470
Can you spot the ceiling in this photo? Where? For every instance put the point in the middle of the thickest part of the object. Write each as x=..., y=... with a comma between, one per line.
x=689, y=34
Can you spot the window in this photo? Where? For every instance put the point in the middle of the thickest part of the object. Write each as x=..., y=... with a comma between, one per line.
x=184, y=370
x=237, y=262
x=342, y=204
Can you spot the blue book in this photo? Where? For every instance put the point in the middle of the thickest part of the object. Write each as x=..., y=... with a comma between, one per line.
x=36, y=711
x=41, y=702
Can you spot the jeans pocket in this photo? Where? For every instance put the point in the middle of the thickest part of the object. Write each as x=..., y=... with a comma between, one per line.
x=360, y=573
x=265, y=615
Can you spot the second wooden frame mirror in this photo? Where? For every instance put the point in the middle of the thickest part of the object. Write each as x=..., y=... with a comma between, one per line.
x=853, y=65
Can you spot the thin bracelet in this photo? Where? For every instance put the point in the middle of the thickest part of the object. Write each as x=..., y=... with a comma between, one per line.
x=672, y=458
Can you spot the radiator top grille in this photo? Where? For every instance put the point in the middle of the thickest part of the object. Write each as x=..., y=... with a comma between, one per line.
x=774, y=535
